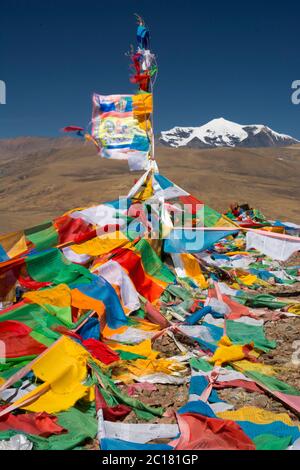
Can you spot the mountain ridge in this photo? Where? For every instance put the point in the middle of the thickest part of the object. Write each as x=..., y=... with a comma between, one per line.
x=223, y=133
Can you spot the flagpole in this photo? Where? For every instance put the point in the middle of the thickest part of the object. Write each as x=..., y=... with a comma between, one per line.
x=152, y=82
x=149, y=63
x=152, y=123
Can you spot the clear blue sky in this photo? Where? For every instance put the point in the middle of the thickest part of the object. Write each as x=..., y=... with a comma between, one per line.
x=216, y=58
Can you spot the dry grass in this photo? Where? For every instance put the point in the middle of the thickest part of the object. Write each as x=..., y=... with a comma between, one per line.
x=43, y=178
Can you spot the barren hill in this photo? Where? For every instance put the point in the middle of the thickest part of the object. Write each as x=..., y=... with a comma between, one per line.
x=42, y=178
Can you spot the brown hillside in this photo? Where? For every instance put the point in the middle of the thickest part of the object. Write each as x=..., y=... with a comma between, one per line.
x=43, y=178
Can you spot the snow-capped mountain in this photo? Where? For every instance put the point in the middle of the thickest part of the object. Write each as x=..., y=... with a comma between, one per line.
x=223, y=133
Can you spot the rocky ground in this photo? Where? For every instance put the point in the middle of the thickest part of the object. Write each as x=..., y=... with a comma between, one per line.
x=284, y=331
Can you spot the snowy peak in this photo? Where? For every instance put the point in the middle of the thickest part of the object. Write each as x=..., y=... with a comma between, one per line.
x=223, y=133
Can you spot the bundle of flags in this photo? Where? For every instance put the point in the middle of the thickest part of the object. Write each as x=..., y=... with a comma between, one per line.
x=86, y=298
x=121, y=125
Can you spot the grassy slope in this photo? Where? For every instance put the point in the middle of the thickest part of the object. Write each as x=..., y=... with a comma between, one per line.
x=41, y=179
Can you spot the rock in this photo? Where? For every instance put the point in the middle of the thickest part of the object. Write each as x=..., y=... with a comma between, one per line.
x=261, y=401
